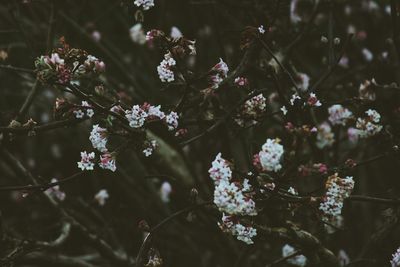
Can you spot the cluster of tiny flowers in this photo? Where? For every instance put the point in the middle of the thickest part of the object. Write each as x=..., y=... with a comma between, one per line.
x=172, y=120
x=62, y=66
x=339, y=115
x=98, y=137
x=325, y=136
x=87, y=161
x=164, y=70
x=220, y=170
x=369, y=126
x=298, y=260
x=313, y=101
x=243, y=233
x=396, y=259
x=55, y=191
x=148, y=151
x=138, y=115
x=337, y=190
x=251, y=109
x=107, y=162
x=270, y=155
x=233, y=198
x=145, y=4
x=85, y=111
x=218, y=73
x=101, y=197
x=261, y=29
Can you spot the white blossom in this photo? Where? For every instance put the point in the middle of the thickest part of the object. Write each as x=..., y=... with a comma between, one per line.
x=396, y=259
x=164, y=70
x=339, y=115
x=172, y=120
x=55, y=191
x=232, y=198
x=136, y=116
x=293, y=99
x=242, y=232
x=145, y=4
x=137, y=34
x=298, y=260
x=338, y=189
x=165, y=191
x=251, y=109
x=313, y=100
x=80, y=113
x=220, y=170
x=107, y=162
x=175, y=33
x=284, y=110
x=369, y=126
x=261, y=29
x=325, y=136
x=98, y=137
x=271, y=155
x=87, y=161
x=148, y=151
x=101, y=197
x=218, y=73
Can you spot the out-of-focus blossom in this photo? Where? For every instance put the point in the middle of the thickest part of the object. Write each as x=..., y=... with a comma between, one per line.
x=165, y=192
x=303, y=81
x=101, y=197
x=298, y=260
x=175, y=33
x=137, y=34
x=367, y=54
x=343, y=258
x=325, y=136
x=55, y=191
x=339, y=115
x=294, y=16
x=366, y=90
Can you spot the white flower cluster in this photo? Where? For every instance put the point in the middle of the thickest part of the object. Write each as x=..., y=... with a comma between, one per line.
x=220, y=170
x=396, y=259
x=298, y=260
x=251, y=109
x=55, y=191
x=294, y=98
x=138, y=115
x=325, y=136
x=339, y=115
x=80, y=114
x=107, y=162
x=101, y=197
x=98, y=137
x=366, y=90
x=172, y=120
x=145, y=4
x=164, y=70
x=148, y=151
x=242, y=232
x=338, y=189
x=218, y=73
x=92, y=64
x=87, y=161
x=232, y=198
x=261, y=29
x=369, y=126
x=270, y=155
